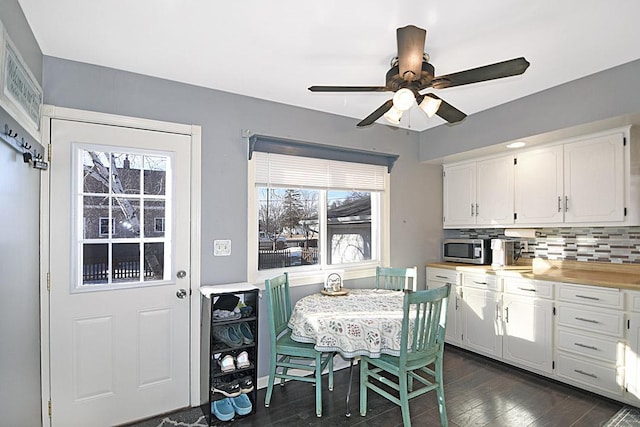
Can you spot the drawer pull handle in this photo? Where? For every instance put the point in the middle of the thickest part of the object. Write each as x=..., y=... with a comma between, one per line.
x=590, y=347
x=527, y=289
x=441, y=277
x=587, y=297
x=479, y=283
x=586, y=320
x=585, y=373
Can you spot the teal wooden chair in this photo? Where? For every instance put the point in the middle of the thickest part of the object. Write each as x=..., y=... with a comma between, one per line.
x=396, y=278
x=289, y=354
x=422, y=344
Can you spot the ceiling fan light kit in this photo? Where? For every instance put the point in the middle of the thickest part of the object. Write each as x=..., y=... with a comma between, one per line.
x=411, y=73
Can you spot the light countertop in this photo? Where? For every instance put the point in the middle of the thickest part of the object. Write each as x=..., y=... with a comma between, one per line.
x=623, y=276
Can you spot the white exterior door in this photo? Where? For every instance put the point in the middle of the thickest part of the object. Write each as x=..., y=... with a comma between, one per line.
x=120, y=242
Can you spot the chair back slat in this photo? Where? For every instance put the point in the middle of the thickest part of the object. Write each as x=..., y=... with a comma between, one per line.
x=396, y=278
x=424, y=323
x=278, y=305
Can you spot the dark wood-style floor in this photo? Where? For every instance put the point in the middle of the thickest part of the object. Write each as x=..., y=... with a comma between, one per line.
x=478, y=392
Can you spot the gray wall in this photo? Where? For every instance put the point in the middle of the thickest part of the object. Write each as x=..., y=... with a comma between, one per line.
x=416, y=206
x=608, y=94
x=19, y=256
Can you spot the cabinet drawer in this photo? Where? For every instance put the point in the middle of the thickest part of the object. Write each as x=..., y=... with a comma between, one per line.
x=442, y=275
x=603, y=321
x=484, y=281
x=633, y=301
x=596, y=346
x=603, y=376
x=591, y=295
x=534, y=288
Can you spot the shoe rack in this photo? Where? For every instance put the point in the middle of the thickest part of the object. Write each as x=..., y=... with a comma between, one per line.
x=224, y=347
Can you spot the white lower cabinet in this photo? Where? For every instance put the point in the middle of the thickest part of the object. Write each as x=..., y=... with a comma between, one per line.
x=586, y=336
x=528, y=324
x=590, y=338
x=437, y=277
x=632, y=348
x=481, y=328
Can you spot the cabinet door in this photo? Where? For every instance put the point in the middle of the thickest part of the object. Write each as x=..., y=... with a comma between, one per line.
x=453, y=331
x=594, y=179
x=481, y=321
x=538, y=186
x=528, y=328
x=459, y=195
x=494, y=198
x=632, y=358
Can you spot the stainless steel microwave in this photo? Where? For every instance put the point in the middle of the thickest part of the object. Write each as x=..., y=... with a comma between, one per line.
x=468, y=251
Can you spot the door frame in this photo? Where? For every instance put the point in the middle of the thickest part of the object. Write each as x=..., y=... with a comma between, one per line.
x=195, y=132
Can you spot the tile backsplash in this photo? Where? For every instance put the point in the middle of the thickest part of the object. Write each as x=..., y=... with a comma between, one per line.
x=602, y=244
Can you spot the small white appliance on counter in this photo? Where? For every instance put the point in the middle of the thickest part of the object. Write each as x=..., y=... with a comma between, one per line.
x=503, y=253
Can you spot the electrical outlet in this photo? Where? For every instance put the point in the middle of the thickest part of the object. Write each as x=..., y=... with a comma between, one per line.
x=221, y=247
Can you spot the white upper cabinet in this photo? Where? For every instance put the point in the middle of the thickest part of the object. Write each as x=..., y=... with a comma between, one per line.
x=459, y=195
x=594, y=180
x=538, y=186
x=590, y=181
x=478, y=193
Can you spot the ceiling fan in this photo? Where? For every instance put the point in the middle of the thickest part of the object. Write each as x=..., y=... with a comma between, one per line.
x=411, y=72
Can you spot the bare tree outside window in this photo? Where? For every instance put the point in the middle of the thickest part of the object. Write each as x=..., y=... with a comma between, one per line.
x=129, y=191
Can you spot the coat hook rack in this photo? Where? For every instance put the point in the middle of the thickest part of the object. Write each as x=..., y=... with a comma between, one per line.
x=30, y=154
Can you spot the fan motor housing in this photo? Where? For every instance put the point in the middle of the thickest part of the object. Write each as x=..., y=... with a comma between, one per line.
x=395, y=81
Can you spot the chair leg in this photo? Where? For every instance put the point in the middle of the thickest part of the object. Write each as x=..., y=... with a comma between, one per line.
x=272, y=378
x=404, y=399
x=364, y=378
x=331, y=372
x=318, y=384
x=440, y=393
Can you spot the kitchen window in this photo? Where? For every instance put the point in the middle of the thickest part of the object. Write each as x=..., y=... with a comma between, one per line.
x=312, y=215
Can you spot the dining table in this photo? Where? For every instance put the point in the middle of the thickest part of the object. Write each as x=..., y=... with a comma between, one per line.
x=352, y=322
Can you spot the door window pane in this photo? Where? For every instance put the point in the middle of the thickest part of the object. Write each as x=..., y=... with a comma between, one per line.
x=124, y=214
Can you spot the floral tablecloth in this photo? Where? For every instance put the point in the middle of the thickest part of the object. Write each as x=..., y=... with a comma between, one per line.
x=366, y=322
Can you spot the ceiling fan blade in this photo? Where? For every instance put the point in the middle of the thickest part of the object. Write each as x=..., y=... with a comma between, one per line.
x=498, y=70
x=348, y=89
x=446, y=111
x=376, y=114
x=411, y=41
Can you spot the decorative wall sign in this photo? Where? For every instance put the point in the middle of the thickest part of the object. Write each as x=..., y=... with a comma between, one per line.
x=20, y=94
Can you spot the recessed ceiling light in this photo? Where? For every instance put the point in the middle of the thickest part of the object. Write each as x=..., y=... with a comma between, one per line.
x=517, y=144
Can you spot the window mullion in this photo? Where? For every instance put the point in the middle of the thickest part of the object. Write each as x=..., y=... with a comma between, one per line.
x=322, y=228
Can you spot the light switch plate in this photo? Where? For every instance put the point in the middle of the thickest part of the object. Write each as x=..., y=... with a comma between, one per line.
x=221, y=247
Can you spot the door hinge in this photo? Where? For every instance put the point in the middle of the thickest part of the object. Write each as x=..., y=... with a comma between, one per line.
x=515, y=216
x=515, y=160
x=625, y=211
x=49, y=408
x=49, y=153
x=444, y=174
x=553, y=364
x=624, y=141
x=554, y=311
x=48, y=281
x=628, y=324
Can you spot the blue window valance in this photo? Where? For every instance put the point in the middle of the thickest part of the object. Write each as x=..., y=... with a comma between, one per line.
x=269, y=144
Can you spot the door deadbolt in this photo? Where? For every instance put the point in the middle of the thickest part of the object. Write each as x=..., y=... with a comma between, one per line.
x=181, y=274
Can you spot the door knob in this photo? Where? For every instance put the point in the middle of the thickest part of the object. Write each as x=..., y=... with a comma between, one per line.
x=181, y=293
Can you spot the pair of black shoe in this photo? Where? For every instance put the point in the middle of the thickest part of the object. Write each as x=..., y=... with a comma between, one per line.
x=233, y=388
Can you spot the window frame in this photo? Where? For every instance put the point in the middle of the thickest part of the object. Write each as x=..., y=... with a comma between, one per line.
x=313, y=274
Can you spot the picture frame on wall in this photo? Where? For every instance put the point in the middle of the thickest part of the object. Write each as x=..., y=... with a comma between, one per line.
x=20, y=94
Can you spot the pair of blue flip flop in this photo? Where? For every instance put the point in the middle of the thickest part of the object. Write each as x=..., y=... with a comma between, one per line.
x=225, y=409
